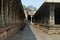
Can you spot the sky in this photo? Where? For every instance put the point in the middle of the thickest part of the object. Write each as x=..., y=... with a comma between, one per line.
x=35, y=3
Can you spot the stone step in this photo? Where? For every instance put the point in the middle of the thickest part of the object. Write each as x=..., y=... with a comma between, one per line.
x=49, y=29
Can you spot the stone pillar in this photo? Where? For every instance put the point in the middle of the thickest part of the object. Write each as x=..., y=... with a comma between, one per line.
x=26, y=14
x=52, y=18
x=10, y=13
x=14, y=17
x=14, y=13
x=2, y=14
x=6, y=12
x=31, y=19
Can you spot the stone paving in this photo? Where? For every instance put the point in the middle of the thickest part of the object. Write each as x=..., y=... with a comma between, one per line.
x=40, y=35
x=26, y=34
x=33, y=33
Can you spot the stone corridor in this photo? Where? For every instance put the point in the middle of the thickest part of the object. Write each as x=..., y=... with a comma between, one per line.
x=26, y=34
x=33, y=33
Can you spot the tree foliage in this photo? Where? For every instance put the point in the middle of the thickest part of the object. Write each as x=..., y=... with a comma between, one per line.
x=29, y=8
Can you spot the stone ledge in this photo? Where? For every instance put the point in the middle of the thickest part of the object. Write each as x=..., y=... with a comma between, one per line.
x=8, y=31
x=49, y=29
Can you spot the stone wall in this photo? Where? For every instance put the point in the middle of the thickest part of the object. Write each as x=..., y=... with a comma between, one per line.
x=12, y=18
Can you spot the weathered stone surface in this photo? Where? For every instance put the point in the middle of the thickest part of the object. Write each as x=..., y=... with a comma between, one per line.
x=9, y=31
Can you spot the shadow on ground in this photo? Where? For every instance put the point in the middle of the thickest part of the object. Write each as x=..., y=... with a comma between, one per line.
x=26, y=34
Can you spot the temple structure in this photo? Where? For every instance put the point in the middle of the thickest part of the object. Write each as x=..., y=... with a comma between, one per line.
x=49, y=15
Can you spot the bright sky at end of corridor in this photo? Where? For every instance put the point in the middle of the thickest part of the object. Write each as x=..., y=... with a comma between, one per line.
x=35, y=3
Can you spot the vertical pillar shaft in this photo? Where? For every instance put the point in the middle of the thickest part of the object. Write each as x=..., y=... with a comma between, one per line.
x=26, y=15
x=31, y=19
x=14, y=13
x=16, y=17
x=51, y=19
x=10, y=16
x=6, y=12
x=2, y=13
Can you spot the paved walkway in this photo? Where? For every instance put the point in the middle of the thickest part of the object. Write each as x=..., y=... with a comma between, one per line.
x=40, y=35
x=34, y=33
x=26, y=34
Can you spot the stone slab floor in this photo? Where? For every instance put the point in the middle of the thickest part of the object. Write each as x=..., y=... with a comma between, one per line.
x=26, y=34
x=33, y=33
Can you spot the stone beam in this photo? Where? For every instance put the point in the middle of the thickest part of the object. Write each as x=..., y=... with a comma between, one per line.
x=53, y=1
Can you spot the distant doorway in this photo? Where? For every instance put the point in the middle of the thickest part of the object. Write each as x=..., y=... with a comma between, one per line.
x=29, y=17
